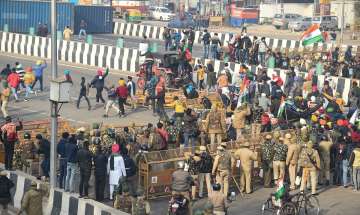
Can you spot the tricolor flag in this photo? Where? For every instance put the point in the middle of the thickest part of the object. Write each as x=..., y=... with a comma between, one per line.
x=312, y=35
x=280, y=191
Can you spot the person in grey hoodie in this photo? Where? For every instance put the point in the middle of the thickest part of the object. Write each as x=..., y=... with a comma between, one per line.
x=264, y=102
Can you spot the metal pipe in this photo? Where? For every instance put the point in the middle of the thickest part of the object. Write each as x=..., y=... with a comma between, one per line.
x=53, y=104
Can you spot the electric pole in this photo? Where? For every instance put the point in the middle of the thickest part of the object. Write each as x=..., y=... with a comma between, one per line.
x=53, y=105
x=342, y=22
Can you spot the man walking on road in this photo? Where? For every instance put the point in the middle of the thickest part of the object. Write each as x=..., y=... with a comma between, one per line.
x=99, y=83
x=84, y=90
x=39, y=70
x=14, y=81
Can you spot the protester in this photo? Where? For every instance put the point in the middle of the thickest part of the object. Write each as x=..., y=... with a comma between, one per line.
x=71, y=150
x=99, y=83
x=9, y=136
x=39, y=70
x=67, y=33
x=84, y=158
x=82, y=31
x=5, y=197
x=29, y=79
x=84, y=91
x=14, y=81
x=43, y=147
x=122, y=94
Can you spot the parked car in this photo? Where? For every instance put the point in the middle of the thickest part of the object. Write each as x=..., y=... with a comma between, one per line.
x=326, y=22
x=186, y=22
x=161, y=13
x=300, y=24
x=281, y=21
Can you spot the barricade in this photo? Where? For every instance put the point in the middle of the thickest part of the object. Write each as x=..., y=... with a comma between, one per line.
x=156, y=168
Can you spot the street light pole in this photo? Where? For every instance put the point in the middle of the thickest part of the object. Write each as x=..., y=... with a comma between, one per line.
x=342, y=22
x=53, y=105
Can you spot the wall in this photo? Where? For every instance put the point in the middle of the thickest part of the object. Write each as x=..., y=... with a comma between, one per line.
x=269, y=10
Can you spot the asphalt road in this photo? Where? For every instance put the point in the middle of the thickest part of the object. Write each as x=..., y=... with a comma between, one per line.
x=39, y=106
x=333, y=201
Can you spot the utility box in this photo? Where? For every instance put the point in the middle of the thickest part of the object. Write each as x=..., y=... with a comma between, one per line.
x=60, y=91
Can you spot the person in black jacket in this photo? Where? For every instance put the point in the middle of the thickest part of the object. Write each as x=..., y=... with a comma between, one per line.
x=131, y=170
x=5, y=72
x=71, y=150
x=160, y=101
x=85, y=162
x=43, y=146
x=100, y=162
x=5, y=196
x=205, y=167
x=83, y=93
x=63, y=160
x=246, y=44
x=99, y=83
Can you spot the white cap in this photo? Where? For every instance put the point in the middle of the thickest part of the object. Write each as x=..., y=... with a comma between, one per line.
x=312, y=98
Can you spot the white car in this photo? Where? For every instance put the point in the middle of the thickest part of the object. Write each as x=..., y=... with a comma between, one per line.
x=161, y=13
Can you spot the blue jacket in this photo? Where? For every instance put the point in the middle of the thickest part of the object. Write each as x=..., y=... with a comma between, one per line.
x=71, y=150
x=61, y=148
x=39, y=70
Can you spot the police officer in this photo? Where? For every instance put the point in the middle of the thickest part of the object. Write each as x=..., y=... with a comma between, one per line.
x=28, y=152
x=309, y=160
x=246, y=157
x=181, y=181
x=124, y=201
x=140, y=206
x=222, y=168
x=267, y=155
x=292, y=159
x=215, y=124
x=218, y=200
x=205, y=166
x=280, y=153
x=325, y=146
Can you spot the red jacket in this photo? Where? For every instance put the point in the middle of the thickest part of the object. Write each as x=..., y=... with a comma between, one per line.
x=122, y=92
x=13, y=80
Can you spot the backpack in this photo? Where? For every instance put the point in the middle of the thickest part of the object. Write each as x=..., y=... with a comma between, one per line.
x=140, y=207
x=11, y=134
x=130, y=166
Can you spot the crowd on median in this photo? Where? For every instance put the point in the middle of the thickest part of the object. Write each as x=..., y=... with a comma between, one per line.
x=311, y=132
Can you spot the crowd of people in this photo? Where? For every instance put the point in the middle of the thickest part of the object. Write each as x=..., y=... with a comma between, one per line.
x=311, y=133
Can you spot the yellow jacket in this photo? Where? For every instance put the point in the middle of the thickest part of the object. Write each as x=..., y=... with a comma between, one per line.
x=179, y=106
x=67, y=34
x=201, y=74
x=29, y=78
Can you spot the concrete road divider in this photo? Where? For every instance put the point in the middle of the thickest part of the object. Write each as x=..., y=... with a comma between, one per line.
x=123, y=59
x=58, y=201
x=156, y=32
